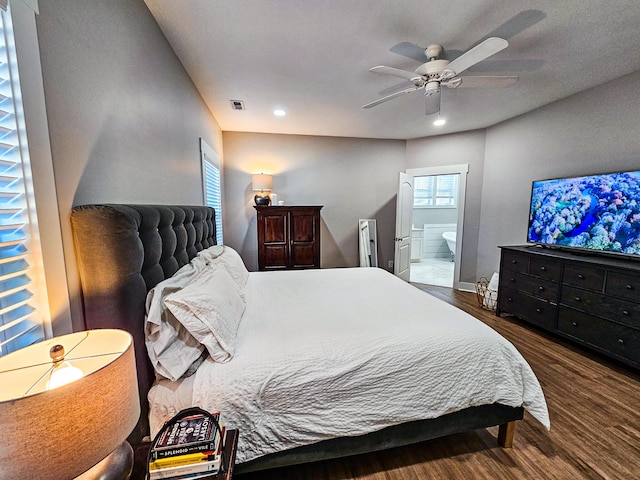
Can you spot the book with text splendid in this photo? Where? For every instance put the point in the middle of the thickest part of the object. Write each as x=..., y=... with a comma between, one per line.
x=191, y=434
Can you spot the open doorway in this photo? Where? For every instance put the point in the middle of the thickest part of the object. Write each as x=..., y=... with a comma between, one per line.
x=437, y=221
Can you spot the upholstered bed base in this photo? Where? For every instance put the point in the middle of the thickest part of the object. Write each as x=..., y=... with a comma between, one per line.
x=125, y=250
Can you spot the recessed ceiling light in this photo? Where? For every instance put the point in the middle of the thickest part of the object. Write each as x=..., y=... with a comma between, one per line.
x=278, y=112
x=439, y=122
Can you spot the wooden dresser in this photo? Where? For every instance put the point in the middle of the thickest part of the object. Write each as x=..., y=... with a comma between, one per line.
x=288, y=237
x=593, y=300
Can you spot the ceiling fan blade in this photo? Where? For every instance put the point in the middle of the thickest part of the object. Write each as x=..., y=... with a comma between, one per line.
x=396, y=72
x=389, y=97
x=489, y=47
x=518, y=23
x=432, y=103
x=481, y=82
x=410, y=50
x=515, y=65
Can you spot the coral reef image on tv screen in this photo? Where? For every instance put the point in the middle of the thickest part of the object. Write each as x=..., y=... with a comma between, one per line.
x=597, y=212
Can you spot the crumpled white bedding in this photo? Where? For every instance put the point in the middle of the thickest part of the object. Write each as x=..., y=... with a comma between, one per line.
x=339, y=352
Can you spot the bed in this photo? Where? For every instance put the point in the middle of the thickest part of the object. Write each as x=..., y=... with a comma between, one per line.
x=387, y=365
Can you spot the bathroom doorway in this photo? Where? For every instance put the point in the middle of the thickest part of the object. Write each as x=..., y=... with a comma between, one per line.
x=437, y=220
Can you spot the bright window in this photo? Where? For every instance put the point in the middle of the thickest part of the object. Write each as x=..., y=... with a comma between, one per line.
x=22, y=285
x=212, y=184
x=435, y=191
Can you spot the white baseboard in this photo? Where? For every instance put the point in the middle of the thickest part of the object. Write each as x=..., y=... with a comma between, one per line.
x=466, y=287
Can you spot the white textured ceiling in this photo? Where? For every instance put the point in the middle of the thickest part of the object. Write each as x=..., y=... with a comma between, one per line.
x=311, y=57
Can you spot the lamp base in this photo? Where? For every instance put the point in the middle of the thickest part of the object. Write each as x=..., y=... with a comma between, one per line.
x=118, y=465
x=261, y=199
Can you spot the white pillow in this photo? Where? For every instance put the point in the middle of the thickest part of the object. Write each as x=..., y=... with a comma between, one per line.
x=210, y=309
x=225, y=256
x=171, y=348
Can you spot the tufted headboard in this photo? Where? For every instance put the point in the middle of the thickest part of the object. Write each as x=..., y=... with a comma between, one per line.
x=122, y=252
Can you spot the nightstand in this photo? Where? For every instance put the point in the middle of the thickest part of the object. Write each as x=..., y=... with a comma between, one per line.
x=228, y=454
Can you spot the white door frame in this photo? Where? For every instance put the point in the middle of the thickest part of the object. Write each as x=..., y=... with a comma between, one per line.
x=463, y=170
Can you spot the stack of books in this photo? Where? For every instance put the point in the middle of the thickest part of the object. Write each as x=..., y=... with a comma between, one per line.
x=188, y=448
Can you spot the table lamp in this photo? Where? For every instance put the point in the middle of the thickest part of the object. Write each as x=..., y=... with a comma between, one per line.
x=261, y=183
x=67, y=406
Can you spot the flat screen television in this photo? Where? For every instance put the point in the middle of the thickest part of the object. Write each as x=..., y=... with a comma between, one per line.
x=596, y=213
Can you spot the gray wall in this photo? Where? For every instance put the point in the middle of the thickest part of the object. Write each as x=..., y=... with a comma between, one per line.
x=353, y=178
x=592, y=132
x=124, y=117
x=455, y=149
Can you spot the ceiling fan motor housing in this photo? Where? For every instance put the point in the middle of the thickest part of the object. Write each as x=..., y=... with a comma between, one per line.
x=432, y=87
x=432, y=68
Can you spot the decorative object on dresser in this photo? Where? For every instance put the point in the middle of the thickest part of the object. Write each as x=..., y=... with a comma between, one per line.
x=261, y=183
x=74, y=425
x=288, y=237
x=592, y=300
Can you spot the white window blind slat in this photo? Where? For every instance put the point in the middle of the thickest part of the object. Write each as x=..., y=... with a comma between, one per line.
x=212, y=184
x=21, y=322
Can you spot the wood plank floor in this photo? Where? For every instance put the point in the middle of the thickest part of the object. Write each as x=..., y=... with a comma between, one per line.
x=594, y=405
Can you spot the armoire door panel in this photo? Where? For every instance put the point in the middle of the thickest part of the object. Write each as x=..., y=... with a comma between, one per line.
x=275, y=228
x=303, y=228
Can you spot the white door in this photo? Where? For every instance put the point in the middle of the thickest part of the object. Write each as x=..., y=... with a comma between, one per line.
x=404, y=210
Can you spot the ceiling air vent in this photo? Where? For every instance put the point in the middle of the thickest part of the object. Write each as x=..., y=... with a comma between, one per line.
x=237, y=104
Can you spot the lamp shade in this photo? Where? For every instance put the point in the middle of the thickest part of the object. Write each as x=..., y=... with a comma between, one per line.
x=261, y=182
x=59, y=433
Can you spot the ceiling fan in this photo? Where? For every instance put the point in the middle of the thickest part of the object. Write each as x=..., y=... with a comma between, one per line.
x=438, y=72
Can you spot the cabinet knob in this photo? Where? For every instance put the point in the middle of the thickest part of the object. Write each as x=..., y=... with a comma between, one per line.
x=543, y=268
x=625, y=312
x=575, y=324
x=541, y=288
x=580, y=276
x=621, y=341
x=629, y=287
x=538, y=310
x=512, y=279
x=514, y=261
x=578, y=299
x=510, y=299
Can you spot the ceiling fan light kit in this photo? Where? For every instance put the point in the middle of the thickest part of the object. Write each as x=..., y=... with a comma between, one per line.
x=437, y=72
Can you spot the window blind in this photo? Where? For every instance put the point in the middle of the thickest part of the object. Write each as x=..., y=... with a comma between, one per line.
x=212, y=184
x=435, y=191
x=21, y=322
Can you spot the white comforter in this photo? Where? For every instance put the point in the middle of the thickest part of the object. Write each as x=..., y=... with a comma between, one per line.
x=336, y=352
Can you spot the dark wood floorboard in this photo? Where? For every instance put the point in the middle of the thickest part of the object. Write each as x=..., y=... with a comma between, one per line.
x=594, y=405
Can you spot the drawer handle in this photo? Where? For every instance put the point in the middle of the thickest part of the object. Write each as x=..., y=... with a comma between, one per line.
x=621, y=341
x=541, y=288
x=580, y=276
x=578, y=299
x=575, y=324
x=629, y=287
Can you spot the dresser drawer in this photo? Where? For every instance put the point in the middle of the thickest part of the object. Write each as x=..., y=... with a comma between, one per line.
x=611, y=337
x=623, y=285
x=538, y=287
x=584, y=300
x=525, y=307
x=515, y=262
x=583, y=277
x=545, y=268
